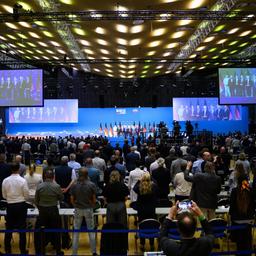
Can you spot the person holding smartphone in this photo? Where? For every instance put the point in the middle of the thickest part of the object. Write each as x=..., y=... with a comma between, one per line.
x=186, y=224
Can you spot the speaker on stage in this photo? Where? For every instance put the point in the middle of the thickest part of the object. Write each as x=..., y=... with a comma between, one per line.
x=154, y=101
x=102, y=101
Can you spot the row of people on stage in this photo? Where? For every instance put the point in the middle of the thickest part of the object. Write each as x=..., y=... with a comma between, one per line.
x=19, y=88
x=206, y=112
x=238, y=86
x=119, y=129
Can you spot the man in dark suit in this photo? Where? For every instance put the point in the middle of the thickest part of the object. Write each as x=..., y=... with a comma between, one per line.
x=65, y=176
x=218, y=113
x=5, y=171
x=186, y=222
x=131, y=159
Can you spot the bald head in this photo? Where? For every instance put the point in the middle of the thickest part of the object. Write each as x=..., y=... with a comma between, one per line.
x=18, y=158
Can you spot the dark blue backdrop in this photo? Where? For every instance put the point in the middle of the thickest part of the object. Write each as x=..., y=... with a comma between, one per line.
x=89, y=120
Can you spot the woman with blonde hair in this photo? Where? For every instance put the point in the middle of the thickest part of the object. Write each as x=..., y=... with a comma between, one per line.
x=115, y=194
x=146, y=203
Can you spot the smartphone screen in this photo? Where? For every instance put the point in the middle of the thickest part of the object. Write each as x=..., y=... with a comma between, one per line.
x=184, y=205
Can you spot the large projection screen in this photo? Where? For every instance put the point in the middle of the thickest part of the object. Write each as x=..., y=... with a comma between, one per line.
x=23, y=88
x=54, y=111
x=237, y=85
x=204, y=109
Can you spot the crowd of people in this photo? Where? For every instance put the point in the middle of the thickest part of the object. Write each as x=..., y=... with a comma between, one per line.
x=79, y=172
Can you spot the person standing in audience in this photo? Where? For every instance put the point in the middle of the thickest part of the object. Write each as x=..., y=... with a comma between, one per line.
x=182, y=187
x=94, y=174
x=5, y=171
x=25, y=148
x=15, y=191
x=131, y=159
x=150, y=158
x=47, y=197
x=72, y=163
x=162, y=177
x=115, y=194
x=23, y=168
x=134, y=176
x=83, y=198
x=170, y=158
x=235, y=174
x=33, y=180
x=65, y=176
x=176, y=164
x=242, y=212
x=147, y=192
x=242, y=159
x=205, y=188
x=100, y=164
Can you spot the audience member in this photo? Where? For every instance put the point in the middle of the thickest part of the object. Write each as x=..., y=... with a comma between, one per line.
x=186, y=223
x=162, y=177
x=115, y=194
x=206, y=187
x=242, y=159
x=176, y=164
x=134, y=177
x=33, y=179
x=94, y=174
x=5, y=171
x=242, y=212
x=73, y=163
x=83, y=198
x=15, y=191
x=100, y=164
x=131, y=159
x=182, y=188
x=23, y=168
x=146, y=203
x=47, y=197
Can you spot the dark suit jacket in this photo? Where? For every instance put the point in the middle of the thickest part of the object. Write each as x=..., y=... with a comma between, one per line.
x=131, y=159
x=186, y=247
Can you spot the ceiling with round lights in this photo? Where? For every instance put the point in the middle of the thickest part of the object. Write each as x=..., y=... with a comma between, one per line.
x=158, y=42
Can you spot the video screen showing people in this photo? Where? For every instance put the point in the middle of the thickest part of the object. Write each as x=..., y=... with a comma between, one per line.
x=21, y=87
x=54, y=111
x=237, y=85
x=204, y=109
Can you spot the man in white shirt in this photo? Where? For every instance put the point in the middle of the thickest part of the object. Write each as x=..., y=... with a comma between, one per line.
x=73, y=163
x=134, y=176
x=100, y=164
x=15, y=191
x=25, y=148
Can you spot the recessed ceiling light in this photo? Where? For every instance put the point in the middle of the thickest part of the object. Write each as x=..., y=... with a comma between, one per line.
x=11, y=36
x=245, y=33
x=209, y=39
x=49, y=51
x=201, y=68
x=151, y=53
x=233, y=43
x=171, y=45
x=61, y=51
x=104, y=51
x=96, y=69
x=159, y=67
x=159, y=32
x=219, y=28
x=201, y=48
x=55, y=43
x=46, y=57
x=122, y=51
x=121, y=41
x=7, y=8
x=42, y=44
x=222, y=41
x=224, y=50
x=11, y=25
x=3, y=38
x=212, y=49
x=195, y=4
x=233, y=31
x=136, y=29
x=154, y=44
x=84, y=42
x=21, y=45
x=31, y=44
x=39, y=51
x=135, y=42
x=67, y=1
x=184, y=22
x=178, y=34
x=25, y=24
x=108, y=65
x=22, y=36
x=100, y=30
x=88, y=51
x=79, y=31
x=244, y=44
x=102, y=42
x=109, y=70
x=167, y=54
x=122, y=28
x=33, y=34
x=47, y=33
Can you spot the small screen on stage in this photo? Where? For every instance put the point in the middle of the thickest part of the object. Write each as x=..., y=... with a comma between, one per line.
x=237, y=85
x=204, y=109
x=21, y=87
x=54, y=111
